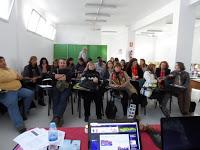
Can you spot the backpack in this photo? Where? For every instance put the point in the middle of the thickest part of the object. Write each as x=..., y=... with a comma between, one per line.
x=111, y=110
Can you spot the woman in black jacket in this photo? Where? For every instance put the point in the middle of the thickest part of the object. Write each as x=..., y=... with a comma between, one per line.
x=44, y=68
x=32, y=77
x=91, y=80
x=162, y=72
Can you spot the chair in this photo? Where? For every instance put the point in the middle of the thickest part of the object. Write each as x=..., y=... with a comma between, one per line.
x=46, y=86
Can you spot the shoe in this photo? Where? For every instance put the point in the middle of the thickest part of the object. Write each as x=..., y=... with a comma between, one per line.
x=41, y=102
x=86, y=119
x=21, y=129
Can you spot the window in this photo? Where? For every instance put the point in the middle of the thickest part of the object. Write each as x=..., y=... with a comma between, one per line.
x=5, y=8
x=33, y=21
x=39, y=25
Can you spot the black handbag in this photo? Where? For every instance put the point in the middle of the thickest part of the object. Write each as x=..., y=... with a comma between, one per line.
x=192, y=107
x=111, y=110
x=88, y=84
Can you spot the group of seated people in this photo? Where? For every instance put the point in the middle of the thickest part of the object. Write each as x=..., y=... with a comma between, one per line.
x=124, y=78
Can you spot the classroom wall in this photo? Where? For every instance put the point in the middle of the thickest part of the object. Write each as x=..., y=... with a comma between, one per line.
x=117, y=43
x=144, y=48
x=77, y=34
x=196, y=46
x=17, y=44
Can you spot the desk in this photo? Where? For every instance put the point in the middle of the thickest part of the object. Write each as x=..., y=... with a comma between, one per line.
x=195, y=83
x=79, y=134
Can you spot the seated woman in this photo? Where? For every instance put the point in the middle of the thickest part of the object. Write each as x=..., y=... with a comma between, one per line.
x=119, y=80
x=71, y=66
x=143, y=65
x=162, y=72
x=108, y=70
x=123, y=63
x=91, y=80
x=179, y=77
x=10, y=81
x=151, y=85
x=79, y=68
x=61, y=77
x=44, y=68
x=133, y=69
x=32, y=78
x=136, y=73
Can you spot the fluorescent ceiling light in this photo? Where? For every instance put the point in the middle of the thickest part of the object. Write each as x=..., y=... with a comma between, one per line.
x=154, y=31
x=98, y=20
x=109, y=31
x=100, y=5
x=98, y=14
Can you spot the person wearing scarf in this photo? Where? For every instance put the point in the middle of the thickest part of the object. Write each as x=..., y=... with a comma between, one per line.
x=120, y=81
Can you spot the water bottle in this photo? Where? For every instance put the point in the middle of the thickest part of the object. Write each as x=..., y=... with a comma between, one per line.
x=53, y=136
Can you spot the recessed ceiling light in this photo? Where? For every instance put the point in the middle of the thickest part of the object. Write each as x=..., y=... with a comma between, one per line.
x=98, y=14
x=100, y=5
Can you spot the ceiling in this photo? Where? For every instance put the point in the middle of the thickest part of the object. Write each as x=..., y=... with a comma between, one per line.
x=164, y=25
x=73, y=11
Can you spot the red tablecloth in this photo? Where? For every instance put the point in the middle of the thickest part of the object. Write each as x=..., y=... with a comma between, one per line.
x=79, y=134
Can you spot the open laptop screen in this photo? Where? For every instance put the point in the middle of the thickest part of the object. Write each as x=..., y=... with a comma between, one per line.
x=180, y=133
x=114, y=136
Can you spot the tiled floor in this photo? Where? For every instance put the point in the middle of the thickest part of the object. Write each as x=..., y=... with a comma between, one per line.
x=38, y=118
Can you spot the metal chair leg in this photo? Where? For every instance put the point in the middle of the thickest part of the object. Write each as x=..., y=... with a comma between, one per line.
x=72, y=105
x=170, y=104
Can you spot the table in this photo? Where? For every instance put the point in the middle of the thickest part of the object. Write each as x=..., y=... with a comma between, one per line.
x=195, y=83
x=79, y=134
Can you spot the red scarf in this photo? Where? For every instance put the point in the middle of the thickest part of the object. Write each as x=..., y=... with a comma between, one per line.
x=162, y=74
x=135, y=71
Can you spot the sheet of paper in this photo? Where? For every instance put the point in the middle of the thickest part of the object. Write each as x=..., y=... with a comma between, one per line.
x=33, y=139
x=37, y=139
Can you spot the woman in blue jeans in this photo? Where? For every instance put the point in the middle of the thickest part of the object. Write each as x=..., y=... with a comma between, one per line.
x=10, y=81
x=61, y=91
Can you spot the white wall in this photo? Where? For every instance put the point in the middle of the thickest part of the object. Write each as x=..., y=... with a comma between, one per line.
x=164, y=48
x=117, y=43
x=17, y=44
x=144, y=48
x=77, y=34
x=196, y=46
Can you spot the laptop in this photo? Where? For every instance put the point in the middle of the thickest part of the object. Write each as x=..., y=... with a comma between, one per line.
x=180, y=133
x=114, y=135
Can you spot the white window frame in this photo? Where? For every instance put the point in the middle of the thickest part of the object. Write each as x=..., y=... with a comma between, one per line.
x=6, y=19
x=36, y=30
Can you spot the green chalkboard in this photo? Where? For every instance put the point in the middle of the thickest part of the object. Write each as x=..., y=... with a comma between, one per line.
x=60, y=51
x=73, y=50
